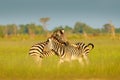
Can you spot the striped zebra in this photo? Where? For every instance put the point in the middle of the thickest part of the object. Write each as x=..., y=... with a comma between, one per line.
x=69, y=52
x=40, y=50
x=84, y=49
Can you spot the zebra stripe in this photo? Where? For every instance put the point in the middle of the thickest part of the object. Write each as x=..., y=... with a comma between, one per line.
x=69, y=52
x=85, y=49
x=41, y=50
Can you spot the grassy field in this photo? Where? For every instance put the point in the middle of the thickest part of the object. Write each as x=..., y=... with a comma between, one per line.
x=16, y=64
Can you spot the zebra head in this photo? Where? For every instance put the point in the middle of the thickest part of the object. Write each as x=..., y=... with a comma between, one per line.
x=59, y=36
x=58, y=33
x=53, y=44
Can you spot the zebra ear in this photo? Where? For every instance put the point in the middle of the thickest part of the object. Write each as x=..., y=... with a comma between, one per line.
x=49, y=39
x=62, y=31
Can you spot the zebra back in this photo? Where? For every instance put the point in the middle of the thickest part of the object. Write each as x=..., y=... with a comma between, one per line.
x=63, y=50
x=85, y=49
x=39, y=49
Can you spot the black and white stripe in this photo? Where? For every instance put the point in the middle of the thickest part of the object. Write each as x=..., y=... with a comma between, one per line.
x=69, y=52
x=40, y=50
x=85, y=49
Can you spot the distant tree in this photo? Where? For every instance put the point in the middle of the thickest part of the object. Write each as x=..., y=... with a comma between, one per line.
x=107, y=28
x=117, y=30
x=5, y=31
x=44, y=22
x=110, y=28
x=112, y=32
x=68, y=29
x=23, y=29
x=39, y=29
x=15, y=29
x=31, y=29
x=82, y=27
x=11, y=29
x=2, y=31
x=78, y=27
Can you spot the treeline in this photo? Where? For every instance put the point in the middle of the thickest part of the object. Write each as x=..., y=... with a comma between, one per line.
x=13, y=29
x=33, y=29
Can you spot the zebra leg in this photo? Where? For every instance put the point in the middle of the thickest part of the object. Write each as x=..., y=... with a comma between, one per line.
x=86, y=59
x=60, y=62
x=81, y=61
x=37, y=60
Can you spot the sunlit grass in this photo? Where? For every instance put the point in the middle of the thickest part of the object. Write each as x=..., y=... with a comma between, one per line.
x=16, y=64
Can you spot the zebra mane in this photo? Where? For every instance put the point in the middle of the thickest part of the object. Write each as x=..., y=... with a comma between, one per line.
x=56, y=40
x=59, y=40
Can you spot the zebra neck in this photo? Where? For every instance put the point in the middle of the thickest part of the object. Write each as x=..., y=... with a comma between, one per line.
x=58, y=49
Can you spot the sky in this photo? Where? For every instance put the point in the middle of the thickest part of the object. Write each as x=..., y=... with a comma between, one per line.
x=95, y=13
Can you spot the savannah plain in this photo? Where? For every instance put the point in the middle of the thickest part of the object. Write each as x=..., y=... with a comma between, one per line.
x=16, y=64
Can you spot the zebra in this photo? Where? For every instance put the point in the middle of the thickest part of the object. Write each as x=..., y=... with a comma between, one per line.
x=39, y=50
x=69, y=52
x=85, y=49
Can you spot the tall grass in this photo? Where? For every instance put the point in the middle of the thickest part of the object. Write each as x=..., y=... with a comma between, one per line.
x=16, y=64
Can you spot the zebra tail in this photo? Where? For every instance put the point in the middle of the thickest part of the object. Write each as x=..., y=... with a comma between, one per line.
x=90, y=44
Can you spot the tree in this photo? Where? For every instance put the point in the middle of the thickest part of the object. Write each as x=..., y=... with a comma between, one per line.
x=2, y=31
x=31, y=29
x=14, y=29
x=68, y=29
x=11, y=29
x=107, y=27
x=23, y=29
x=117, y=30
x=82, y=27
x=44, y=22
x=110, y=28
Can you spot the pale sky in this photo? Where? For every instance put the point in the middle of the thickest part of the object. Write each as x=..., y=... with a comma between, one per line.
x=62, y=12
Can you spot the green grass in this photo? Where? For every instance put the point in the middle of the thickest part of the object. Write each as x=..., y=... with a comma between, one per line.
x=16, y=64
